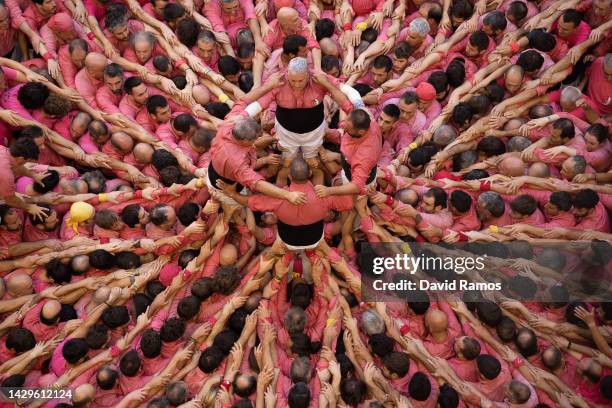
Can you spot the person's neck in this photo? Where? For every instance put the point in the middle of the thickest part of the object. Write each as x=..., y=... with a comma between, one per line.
x=439, y=336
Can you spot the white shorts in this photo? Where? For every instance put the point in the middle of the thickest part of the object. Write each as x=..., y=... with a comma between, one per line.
x=290, y=142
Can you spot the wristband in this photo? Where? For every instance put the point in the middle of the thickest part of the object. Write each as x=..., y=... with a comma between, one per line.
x=463, y=237
x=413, y=145
x=405, y=329
x=115, y=351
x=347, y=27
x=485, y=186
x=517, y=362
x=47, y=56
x=296, y=275
x=389, y=201
x=330, y=322
x=494, y=229
x=226, y=384
x=223, y=98
x=187, y=275
x=361, y=26
x=179, y=62
x=514, y=46
x=212, y=320
x=406, y=248
x=104, y=240
x=322, y=364
x=199, y=183
x=91, y=35
x=102, y=197
x=388, y=174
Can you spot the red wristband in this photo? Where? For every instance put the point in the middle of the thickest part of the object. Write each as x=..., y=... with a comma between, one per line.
x=388, y=174
x=405, y=329
x=115, y=351
x=179, y=62
x=187, y=274
x=91, y=35
x=47, y=56
x=212, y=320
x=514, y=46
x=463, y=237
x=485, y=186
x=347, y=27
x=226, y=384
x=517, y=362
x=104, y=240
x=138, y=194
x=389, y=201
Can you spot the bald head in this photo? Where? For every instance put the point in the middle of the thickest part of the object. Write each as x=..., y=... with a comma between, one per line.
x=19, y=284
x=444, y=135
x=539, y=169
x=552, y=358
x=228, y=255
x=512, y=167
x=200, y=94
x=436, y=321
x=50, y=310
x=83, y=394
x=286, y=15
x=329, y=47
x=143, y=153
x=95, y=64
x=514, y=78
x=80, y=264
x=407, y=196
x=519, y=392
x=101, y=295
x=513, y=124
x=299, y=170
x=122, y=142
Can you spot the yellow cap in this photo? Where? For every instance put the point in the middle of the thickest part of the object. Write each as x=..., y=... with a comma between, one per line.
x=79, y=213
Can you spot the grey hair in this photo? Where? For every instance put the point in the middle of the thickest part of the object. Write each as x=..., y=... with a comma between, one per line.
x=420, y=25
x=571, y=92
x=493, y=202
x=295, y=320
x=372, y=323
x=298, y=65
x=580, y=164
x=466, y=159
x=143, y=36
x=246, y=129
x=444, y=135
x=518, y=144
x=300, y=370
x=608, y=59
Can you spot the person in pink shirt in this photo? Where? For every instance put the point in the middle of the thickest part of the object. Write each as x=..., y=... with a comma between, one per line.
x=492, y=210
x=207, y=50
x=118, y=29
x=177, y=129
x=71, y=59
x=293, y=46
x=416, y=35
x=518, y=11
x=7, y=32
x=232, y=16
x=590, y=212
x=411, y=121
x=109, y=95
x=155, y=8
x=36, y=229
x=42, y=320
x=143, y=47
x=60, y=30
x=428, y=104
x=600, y=84
x=39, y=12
x=97, y=135
x=135, y=98
x=524, y=209
x=287, y=22
x=89, y=78
x=571, y=28
x=162, y=223
x=73, y=126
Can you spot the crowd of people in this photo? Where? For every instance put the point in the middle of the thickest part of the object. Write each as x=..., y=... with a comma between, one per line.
x=191, y=191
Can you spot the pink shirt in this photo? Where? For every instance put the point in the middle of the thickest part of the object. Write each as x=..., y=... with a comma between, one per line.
x=9, y=101
x=600, y=88
x=275, y=37
x=87, y=86
x=313, y=211
x=108, y=101
x=580, y=35
x=598, y=220
x=362, y=154
x=7, y=178
x=220, y=21
x=403, y=133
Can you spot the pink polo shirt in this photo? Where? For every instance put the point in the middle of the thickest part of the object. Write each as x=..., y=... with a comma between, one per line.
x=36, y=19
x=9, y=101
x=275, y=37
x=229, y=23
x=108, y=101
x=580, y=35
x=403, y=133
x=600, y=88
x=7, y=178
x=598, y=220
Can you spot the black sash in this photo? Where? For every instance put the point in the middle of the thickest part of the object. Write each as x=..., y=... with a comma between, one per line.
x=346, y=166
x=300, y=120
x=300, y=235
x=213, y=176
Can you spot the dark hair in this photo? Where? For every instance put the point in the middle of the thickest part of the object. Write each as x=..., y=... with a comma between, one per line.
x=369, y=34
x=324, y=28
x=572, y=16
x=163, y=158
x=518, y=10
x=101, y=259
x=226, y=279
x=562, y=200
x=217, y=109
x=48, y=182
x=131, y=83
x=299, y=396
x=439, y=196
x=293, y=43
x=329, y=62
x=540, y=39
x=382, y=61
x=74, y=350
x=161, y=63
x=566, y=127
x=59, y=272
x=228, y=65
x=141, y=302
x=419, y=302
x=506, y=329
x=130, y=363
x=150, y=343
x=187, y=31
x=25, y=148
x=32, y=95
x=397, y=363
x=462, y=9
x=127, y=260
x=391, y=110
x=489, y=312
x=448, y=397
x=210, y=359
x=188, y=307
x=488, y=366
x=530, y=60
x=106, y=377
x=169, y=175
x=244, y=392
x=586, y=198
x=419, y=387
x=462, y=114
x=97, y=336
x=524, y=204
x=203, y=288
x=184, y=122
x=154, y=288
x=353, y=391
x=439, y=80
x=360, y=119
x=116, y=316
x=497, y=20
x=475, y=174
x=172, y=329
x=173, y=11
x=480, y=40
x=129, y=215
x=245, y=81
x=471, y=348
x=154, y=102
x=381, y=344
x=237, y=320
x=606, y=387
x=20, y=340
x=461, y=201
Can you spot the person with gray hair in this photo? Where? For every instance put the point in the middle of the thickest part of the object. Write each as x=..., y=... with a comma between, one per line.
x=233, y=154
x=572, y=166
x=300, y=113
x=142, y=44
x=301, y=370
x=295, y=320
x=518, y=144
x=491, y=210
x=372, y=323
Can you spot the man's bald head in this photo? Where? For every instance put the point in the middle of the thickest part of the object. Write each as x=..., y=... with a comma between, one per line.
x=122, y=142
x=19, y=284
x=81, y=119
x=83, y=395
x=299, y=170
x=407, y=196
x=143, y=153
x=101, y=295
x=50, y=310
x=228, y=255
x=329, y=47
x=95, y=64
x=80, y=264
x=539, y=169
x=289, y=20
x=512, y=167
x=513, y=124
x=436, y=321
x=200, y=94
x=444, y=135
x=514, y=78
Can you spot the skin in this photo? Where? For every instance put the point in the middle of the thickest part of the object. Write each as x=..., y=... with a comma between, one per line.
x=228, y=255
x=205, y=50
x=4, y=19
x=162, y=115
x=386, y=122
x=289, y=20
x=512, y=167
x=19, y=284
x=407, y=111
x=114, y=84
x=95, y=64
x=514, y=79
x=143, y=50
x=380, y=75
x=140, y=94
x=298, y=80
x=47, y=8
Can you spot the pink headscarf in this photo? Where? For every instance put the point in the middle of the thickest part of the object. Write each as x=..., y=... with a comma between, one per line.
x=61, y=22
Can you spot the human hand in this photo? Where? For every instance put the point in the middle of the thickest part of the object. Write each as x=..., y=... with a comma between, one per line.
x=296, y=197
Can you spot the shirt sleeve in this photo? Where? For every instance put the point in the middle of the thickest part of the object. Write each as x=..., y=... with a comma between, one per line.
x=48, y=38
x=104, y=102
x=260, y=202
x=67, y=67
x=7, y=178
x=16, y=16
x=212, y=10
